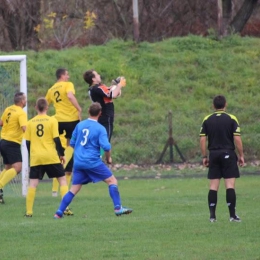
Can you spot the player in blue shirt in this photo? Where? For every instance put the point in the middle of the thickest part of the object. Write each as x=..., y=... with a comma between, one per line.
x=87, y=139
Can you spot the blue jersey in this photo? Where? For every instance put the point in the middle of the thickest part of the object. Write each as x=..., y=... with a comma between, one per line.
x=87, y=139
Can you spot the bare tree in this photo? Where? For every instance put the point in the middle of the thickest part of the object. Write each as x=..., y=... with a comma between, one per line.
x=33, y=24
x=232, y=22
x=243, y=15
x=19, y=18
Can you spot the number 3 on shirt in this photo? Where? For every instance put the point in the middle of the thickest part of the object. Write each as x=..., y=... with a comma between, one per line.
x=85, y=136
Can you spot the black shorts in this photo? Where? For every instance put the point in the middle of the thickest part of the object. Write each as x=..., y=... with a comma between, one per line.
x=52, y=170
x=10, y=151
x=68, y=127
x=223, y=164
x=108, y=123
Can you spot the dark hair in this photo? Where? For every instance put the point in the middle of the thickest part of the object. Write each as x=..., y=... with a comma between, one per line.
x=219, y=102
x=88, y=76
x=41, y=104
x=18, y=97
x=94, y=109
x=60, y=72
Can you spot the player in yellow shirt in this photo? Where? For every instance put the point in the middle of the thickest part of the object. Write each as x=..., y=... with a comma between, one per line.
x=45, y=151
x=67, y=108
x=13, y=122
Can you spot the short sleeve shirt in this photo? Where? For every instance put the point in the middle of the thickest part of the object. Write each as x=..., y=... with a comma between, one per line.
x=220, y=128
x=13, y=118
x=64, y=109
x=41, y=131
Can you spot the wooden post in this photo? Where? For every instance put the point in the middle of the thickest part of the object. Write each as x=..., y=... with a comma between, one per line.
x=220, y=18
x=136, y=20
x=170, y=142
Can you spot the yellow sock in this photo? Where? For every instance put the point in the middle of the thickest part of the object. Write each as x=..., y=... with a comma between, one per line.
x=2, y=174
x=30, y=200
x=7, y=177
x=63, y=190
x=68, y=178
x=68, y=155
x=55, y=185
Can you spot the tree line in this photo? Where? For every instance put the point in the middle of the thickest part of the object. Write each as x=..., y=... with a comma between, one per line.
x=59, y=24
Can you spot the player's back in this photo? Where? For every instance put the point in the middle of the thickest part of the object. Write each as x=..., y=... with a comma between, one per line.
x=220, y=128
x=41, y=130
x=57, y=94
x=87, y=139
x=14, y=117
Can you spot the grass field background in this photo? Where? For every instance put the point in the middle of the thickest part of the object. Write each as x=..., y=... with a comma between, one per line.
x=170, y=218
x=170, y=221
x=180, y=74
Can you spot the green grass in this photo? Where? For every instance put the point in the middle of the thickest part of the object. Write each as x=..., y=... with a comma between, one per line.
x=180, y=74
x=170, y=221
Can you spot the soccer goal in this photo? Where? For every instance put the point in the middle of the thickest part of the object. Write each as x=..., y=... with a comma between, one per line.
x=13, y=78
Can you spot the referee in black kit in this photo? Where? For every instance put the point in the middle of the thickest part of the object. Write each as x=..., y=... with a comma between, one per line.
x=222, y=132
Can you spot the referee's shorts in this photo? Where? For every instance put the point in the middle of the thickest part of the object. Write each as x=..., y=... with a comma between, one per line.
x=223, y=164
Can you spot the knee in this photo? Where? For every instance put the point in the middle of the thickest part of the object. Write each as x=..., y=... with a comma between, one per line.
x=17, y=167
x=111, y=181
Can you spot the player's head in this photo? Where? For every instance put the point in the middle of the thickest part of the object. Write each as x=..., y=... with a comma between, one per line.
x=62, y=74
x=92, y=77
x=20, y=99
x=41, y=105
x=95, y=109
x=219, y=102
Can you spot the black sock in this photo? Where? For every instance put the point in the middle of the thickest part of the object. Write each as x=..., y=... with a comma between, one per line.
x=212, y=202
x=231, y=202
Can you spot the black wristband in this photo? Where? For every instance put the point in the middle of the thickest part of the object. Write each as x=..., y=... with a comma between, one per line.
x=204, y=157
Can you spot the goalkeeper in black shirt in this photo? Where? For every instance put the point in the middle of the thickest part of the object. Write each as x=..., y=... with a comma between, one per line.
x=103, y=94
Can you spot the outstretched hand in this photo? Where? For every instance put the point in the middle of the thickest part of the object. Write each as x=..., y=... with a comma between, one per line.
x=119, y=80
x=122, y=82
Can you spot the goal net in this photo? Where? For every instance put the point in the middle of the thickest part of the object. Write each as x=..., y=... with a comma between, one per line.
x=13, y=78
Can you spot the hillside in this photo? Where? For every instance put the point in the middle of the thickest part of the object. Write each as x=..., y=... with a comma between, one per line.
x=181, y=75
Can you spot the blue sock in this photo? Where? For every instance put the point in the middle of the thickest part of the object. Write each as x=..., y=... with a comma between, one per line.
x=115, y=196
x=66, y=200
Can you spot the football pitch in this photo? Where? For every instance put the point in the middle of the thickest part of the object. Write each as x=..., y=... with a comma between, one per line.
x=170, y=221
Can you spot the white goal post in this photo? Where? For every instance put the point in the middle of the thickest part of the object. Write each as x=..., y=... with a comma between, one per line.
x=23, y=88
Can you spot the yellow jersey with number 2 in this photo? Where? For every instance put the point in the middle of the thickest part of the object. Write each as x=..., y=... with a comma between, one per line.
x=64, y=109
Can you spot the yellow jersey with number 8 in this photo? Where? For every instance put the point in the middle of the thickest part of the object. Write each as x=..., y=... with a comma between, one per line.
x=40, y=131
